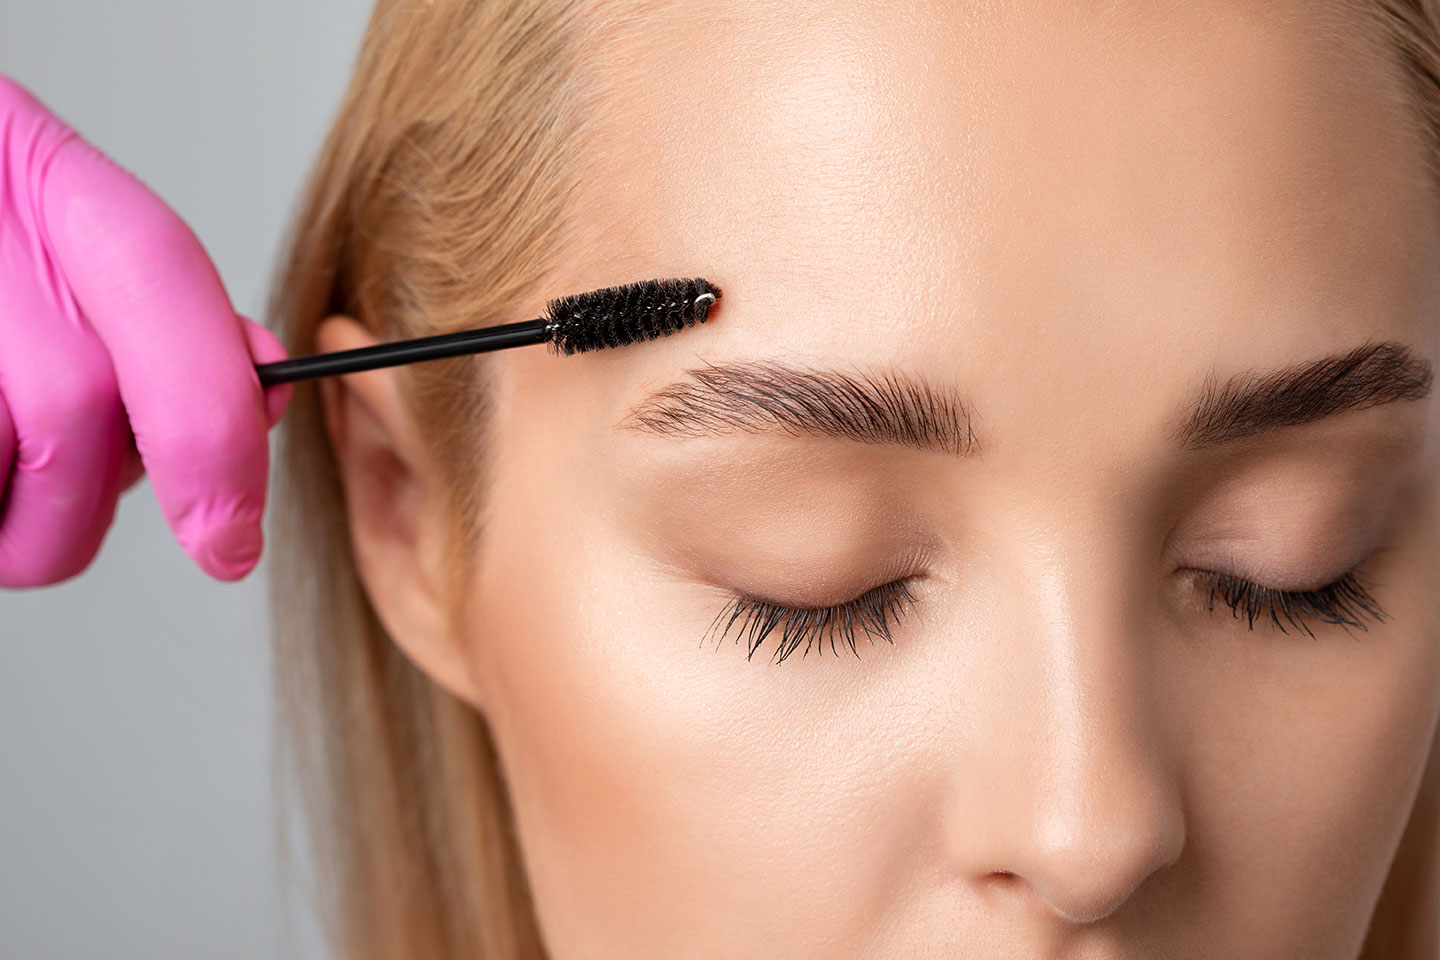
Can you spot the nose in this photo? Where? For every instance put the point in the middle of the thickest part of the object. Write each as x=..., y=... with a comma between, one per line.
x=1068, y=798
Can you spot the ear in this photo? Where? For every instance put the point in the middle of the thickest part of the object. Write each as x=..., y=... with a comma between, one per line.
x=395, y=510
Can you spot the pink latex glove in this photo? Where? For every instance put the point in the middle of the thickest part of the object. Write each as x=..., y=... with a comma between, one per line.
x=120, y=355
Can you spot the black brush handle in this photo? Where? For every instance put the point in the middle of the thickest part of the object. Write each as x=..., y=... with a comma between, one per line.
x=500, y=337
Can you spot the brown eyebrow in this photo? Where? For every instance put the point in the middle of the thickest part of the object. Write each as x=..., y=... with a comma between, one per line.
x=757, y=395
x=1369, y=375
x=892, y=407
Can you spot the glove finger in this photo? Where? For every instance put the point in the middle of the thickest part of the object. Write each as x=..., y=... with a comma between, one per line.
x=67, y=437
x=146, y=286
x=265, y=347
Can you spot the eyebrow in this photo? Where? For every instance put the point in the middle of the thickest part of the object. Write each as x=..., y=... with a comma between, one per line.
x=895, y=408
x=1369, y=375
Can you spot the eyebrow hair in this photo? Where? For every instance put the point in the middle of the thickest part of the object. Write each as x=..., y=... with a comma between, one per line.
x=1369, y=375
x=892, y=407
x=755, y=395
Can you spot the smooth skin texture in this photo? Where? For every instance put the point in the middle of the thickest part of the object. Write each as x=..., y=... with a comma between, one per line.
x=1076, y=213
x=120, y=356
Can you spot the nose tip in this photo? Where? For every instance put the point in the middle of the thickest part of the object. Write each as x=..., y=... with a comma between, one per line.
x=1085, y=871
x=1084, y=864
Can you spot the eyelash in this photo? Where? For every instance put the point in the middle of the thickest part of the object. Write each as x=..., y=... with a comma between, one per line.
x=1345, y=602
x=1335, y=603
x=871, y=612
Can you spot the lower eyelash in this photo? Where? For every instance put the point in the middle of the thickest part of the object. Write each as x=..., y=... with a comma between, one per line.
x=870, y=612
x=1345, y=602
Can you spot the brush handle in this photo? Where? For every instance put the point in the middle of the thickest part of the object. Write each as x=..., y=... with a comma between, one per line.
x=500, y=337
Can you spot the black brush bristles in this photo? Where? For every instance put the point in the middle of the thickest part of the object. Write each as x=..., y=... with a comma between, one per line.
x=630, y=313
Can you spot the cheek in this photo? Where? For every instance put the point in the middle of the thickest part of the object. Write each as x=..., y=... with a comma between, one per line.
x=667, y=794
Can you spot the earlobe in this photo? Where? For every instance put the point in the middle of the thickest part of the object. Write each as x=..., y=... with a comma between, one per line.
x=394, y=510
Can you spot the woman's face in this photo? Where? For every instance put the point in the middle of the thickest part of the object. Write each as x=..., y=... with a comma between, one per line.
x=1088, y=235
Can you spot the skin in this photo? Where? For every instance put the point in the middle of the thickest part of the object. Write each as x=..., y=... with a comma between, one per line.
x=1077, y=216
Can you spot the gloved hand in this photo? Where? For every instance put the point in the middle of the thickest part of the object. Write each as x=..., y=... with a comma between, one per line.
x=120, y=355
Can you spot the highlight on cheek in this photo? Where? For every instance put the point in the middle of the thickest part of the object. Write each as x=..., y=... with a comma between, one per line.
x=870, y=613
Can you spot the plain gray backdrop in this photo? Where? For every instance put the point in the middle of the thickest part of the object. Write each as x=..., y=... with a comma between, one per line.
x=136, y=810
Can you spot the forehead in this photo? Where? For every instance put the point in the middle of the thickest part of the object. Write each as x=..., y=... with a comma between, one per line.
x=1014, y=163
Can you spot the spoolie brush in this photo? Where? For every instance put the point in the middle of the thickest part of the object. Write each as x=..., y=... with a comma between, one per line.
x=610, y=317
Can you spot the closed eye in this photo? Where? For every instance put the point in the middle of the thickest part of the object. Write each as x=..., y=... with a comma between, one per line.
x=868, y=613
x=1344, y=602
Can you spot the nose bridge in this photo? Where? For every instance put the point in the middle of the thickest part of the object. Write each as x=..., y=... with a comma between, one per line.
x=1083, y=802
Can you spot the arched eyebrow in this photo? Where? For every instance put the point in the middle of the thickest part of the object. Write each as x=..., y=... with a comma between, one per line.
x=896, y=408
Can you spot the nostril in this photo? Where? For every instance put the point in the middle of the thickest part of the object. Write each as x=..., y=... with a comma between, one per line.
x=1012, y=885
x=1012, y=892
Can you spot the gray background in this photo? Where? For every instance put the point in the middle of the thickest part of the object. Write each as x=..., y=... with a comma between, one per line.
x=136, y=809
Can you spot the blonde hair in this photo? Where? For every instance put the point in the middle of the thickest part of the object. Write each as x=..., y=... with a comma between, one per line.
x=440, y=198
